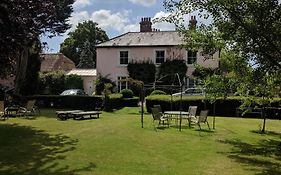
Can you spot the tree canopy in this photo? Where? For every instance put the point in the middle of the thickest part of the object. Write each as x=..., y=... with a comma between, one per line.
x=249, y=26
x=249, y=32
x=86, y=31
x=21, y=24
x=86, y=57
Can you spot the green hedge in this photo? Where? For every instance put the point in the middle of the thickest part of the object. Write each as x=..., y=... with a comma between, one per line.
x=73, y=102
x=116, y=101
x=224, y=107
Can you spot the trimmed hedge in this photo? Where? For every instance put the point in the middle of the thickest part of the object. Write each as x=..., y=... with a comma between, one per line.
x=116, y=101
x=158, y=92
x=224, y=107
x=84, y=102
x=127, y=93
x=69, y=101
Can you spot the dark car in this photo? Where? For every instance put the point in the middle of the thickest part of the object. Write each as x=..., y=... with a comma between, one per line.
x=73, y=92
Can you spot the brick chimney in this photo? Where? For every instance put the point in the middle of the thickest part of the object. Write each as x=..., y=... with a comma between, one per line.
x=145, y=25
x=192, y=22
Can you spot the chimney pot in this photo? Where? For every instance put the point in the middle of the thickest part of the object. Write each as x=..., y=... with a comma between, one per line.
x=192, y=22
x=146, y=25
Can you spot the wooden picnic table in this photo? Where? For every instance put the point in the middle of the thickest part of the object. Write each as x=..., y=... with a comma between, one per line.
x=81, y=115
x=64, y=115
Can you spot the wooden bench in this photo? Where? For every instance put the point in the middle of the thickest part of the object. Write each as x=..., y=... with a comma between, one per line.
x=64, y=115
x=81, y=115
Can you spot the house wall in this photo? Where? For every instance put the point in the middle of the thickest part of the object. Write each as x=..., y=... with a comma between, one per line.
x=88, y=84
x=108, y=59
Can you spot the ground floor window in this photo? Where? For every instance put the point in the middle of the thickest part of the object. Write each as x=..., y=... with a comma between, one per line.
x=122, y=83
x=190, y=82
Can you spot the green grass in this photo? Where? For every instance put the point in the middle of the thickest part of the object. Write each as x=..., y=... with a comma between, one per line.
x=116, y=144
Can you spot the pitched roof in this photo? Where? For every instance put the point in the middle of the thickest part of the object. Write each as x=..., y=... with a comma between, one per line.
x=157, y=38
x=55, y=61
x=83, y=72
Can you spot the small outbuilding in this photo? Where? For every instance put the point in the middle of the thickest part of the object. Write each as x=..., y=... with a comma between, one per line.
x=89, y=78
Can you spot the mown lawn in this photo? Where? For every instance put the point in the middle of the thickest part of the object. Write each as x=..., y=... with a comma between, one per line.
x=116, y=144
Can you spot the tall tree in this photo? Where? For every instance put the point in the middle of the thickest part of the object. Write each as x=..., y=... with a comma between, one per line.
x=252, y=27
x=86, y=31
x=248, y=28
x=22, y=22
x=86, y=57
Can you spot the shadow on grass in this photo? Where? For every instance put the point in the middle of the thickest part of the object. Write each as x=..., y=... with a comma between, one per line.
x=265, y=155
x=270, y=133
x=26, y=151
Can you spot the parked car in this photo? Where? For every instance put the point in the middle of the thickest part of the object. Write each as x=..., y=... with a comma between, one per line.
x=73, y=92
x=191, y=92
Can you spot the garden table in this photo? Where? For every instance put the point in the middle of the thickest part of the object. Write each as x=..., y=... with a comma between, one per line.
x=176, y=115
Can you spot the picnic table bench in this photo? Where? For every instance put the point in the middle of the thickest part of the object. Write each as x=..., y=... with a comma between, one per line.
x=76, y=114
x=81, y=115
x=64, y=115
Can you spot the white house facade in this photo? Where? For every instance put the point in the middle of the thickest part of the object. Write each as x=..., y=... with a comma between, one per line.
x=156, y=46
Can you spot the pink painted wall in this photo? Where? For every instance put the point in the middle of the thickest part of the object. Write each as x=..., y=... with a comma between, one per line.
x=108, y=59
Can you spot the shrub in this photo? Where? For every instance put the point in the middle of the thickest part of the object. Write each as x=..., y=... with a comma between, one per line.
x=73, y=82
x=115, y=101
x=143, y=71
x=158, y=92
x=73, y=102
x=100, y=82
x=127, y=93
x=53, y=83
x=135, y=86
x=168, y=70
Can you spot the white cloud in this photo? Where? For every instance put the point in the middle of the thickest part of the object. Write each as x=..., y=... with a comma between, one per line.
x=106, y=19
x=163, y=26
x=78, y=4
x=78, y=17
x=146, y=3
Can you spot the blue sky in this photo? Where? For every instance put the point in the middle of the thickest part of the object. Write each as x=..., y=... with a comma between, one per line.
x=114, y=16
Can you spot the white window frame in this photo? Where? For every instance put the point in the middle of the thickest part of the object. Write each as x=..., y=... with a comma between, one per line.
x=188, y=82
x=187, y=57
x=119, y=83
x=155, y=54
x=119, y=57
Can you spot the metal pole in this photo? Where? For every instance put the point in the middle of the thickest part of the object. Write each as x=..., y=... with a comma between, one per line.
x=180, y=107
x=142, y=101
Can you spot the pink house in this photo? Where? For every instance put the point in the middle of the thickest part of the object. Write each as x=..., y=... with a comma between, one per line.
x=157, y=46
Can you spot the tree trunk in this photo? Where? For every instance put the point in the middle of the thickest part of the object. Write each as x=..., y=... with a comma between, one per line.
x=21, y=66
x=264, y=119
x=214, y=115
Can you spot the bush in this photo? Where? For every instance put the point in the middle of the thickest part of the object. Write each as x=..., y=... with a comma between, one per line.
x=127, y=93
x=116, y=101
x=54, y=83
x=73, y=102
x=171, y=67
x=143, y=71
x=158, y=92
x=73, y=82
x=135, y=86
x=100, y=82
